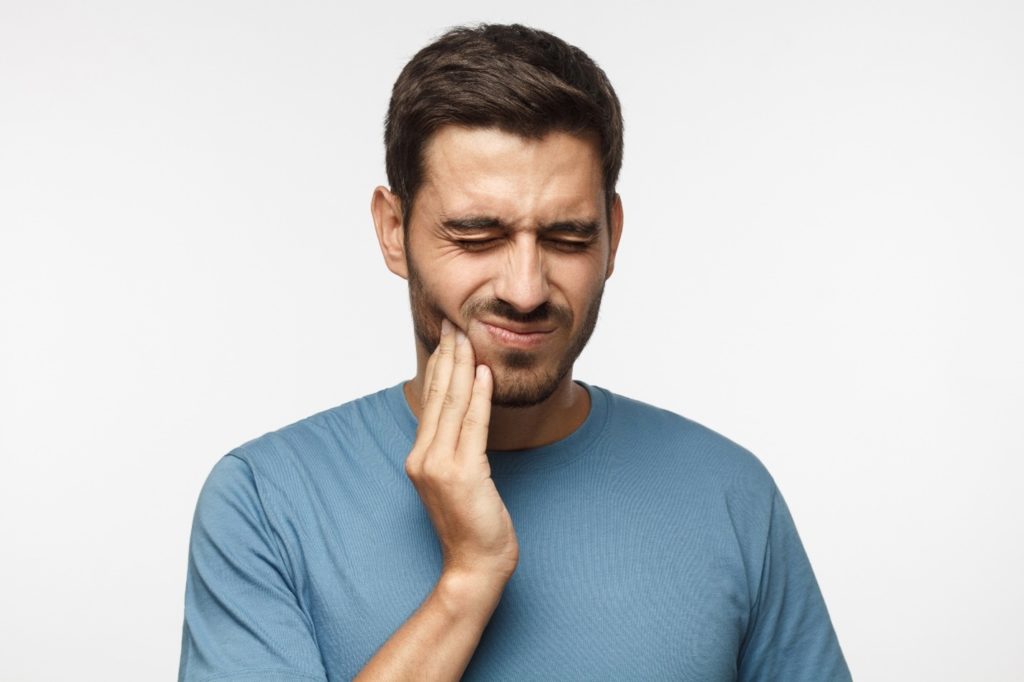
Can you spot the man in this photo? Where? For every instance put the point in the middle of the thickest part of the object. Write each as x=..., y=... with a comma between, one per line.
x=492, y=518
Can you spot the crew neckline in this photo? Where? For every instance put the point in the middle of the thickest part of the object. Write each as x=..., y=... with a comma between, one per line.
x=517, y=462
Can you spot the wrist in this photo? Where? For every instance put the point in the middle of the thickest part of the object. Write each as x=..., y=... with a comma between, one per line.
x=466, y=592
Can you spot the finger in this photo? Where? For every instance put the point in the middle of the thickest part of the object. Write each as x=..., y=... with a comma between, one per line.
x=438, y=386
x=475, y=425
x=456, y=402
x=428, y=375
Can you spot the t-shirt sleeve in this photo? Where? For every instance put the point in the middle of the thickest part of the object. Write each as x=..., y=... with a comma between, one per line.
x=242, y=618
x=790, y=635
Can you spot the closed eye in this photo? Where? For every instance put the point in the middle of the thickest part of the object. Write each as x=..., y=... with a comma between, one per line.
x=570, y=244
x=477, y=244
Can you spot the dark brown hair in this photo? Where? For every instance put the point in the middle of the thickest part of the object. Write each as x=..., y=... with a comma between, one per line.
x=518, y=79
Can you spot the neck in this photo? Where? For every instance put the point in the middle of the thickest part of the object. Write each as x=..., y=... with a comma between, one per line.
x=520, y=428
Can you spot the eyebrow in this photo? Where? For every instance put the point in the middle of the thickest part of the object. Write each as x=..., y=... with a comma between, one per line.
x=471, y=223
x=581, y=228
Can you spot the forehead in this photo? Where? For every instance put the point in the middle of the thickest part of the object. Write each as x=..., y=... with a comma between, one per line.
x=487, y=171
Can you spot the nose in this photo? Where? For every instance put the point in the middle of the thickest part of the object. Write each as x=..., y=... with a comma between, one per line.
x=523, y=281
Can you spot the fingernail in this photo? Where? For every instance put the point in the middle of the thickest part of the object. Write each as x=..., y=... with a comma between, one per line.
x=446, y=327
x=460, y=338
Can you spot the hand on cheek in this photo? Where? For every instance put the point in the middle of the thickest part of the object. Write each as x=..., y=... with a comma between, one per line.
x=448, y=463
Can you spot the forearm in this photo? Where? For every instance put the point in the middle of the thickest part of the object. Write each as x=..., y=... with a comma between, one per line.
x=438, y=640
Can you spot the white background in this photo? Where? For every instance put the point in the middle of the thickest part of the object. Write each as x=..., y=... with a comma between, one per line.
x=821, y=260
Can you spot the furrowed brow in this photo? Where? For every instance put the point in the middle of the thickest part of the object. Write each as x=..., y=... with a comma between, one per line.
x=472, y=224
x=579, y=228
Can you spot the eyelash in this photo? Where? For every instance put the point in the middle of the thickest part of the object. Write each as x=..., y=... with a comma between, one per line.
x=484, y=244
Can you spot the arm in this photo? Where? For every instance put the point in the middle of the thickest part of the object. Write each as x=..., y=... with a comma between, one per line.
x=438, y=640
x=243, y=621
x=449, y=468
x=790, y=635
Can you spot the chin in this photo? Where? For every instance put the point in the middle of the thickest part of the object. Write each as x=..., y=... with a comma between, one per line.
x=521, y=387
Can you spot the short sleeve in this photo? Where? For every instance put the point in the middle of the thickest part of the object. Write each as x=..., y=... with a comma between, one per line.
x=790, y=636
x=242, y=618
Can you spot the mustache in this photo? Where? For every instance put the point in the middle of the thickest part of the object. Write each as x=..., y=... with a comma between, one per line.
x=545, y=312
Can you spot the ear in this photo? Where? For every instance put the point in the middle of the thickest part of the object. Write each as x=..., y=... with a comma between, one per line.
x=616, y=234
x=387, y=219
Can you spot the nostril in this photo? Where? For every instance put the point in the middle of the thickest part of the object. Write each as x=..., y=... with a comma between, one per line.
x=504, y=309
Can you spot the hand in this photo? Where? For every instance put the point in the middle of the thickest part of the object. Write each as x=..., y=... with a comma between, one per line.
x=449, y=468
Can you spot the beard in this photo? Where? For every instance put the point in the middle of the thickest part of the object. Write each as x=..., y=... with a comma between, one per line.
x=521, y=378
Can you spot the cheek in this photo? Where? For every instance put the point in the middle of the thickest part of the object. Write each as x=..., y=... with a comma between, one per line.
x=582, y=283
x=455, y=283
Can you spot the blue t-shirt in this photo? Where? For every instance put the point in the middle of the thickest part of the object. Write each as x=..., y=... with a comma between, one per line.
x=651, y=548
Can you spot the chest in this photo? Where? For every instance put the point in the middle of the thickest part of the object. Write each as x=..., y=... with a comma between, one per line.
x=602, y=591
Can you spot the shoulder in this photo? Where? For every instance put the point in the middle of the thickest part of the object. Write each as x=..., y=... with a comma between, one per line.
x=324, y=434
x=655, y=432
x=360, y=438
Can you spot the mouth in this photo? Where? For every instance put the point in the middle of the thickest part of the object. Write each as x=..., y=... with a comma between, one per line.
x=518, y=336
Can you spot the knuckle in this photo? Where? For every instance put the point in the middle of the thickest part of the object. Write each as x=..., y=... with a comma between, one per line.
x=435, y=472
x=464, y=355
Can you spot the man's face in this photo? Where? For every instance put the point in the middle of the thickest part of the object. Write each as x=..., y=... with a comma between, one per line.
x=510, y=241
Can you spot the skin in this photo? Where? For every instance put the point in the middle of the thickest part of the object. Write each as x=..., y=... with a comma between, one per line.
x=518, y=268
x=507, y=255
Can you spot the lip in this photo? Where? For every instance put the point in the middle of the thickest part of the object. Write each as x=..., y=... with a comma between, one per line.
x=520, y=337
